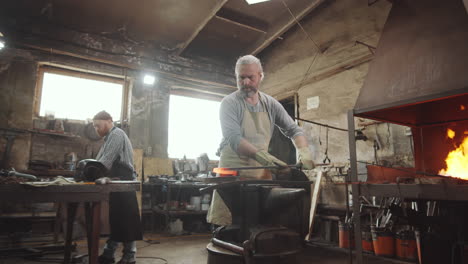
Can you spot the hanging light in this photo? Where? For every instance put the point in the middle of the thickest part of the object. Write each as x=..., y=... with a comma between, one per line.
x=251, y=2
x=2, y=41
x=149, y=79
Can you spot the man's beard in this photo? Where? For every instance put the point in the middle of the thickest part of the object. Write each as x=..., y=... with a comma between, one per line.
x=248, y=91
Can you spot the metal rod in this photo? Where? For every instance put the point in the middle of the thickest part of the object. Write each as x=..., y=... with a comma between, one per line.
x=227, y=245
x=263, y=167
x=295, y=166
x=355, y=188
x=317, y=123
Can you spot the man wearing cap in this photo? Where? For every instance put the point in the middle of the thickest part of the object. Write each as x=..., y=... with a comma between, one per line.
x=248, y=117
x=117, y=156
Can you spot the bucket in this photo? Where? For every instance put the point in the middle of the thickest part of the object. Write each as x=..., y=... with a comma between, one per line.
x=383, y=242
x=367, y=244
x=405, y=245
x=344, y=235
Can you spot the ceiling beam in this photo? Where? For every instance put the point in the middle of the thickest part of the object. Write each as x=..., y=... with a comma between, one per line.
x=216, y=8
x=240, y=24
x=276, y=30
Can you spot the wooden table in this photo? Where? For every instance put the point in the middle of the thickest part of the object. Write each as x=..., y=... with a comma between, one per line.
x=90, y=194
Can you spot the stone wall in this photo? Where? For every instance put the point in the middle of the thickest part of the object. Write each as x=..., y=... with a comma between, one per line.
x=326, y=69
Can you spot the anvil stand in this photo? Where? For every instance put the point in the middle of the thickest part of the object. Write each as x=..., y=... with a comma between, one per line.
x=257, y=234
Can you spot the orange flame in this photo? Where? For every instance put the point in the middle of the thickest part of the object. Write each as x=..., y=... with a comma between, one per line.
x=462, y=107
x=457, y=161
x=450, y=133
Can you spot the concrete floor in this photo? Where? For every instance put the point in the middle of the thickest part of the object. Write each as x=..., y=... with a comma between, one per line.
x=191, y=250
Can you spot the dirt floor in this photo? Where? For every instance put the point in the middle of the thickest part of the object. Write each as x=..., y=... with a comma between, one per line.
x=191, y=249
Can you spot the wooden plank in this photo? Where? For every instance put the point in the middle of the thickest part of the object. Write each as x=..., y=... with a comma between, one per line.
x=280, y=27
x=199, y=28
x=313, y=204
x=157, y=166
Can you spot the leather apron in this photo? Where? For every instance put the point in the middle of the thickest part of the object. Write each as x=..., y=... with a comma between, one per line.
x=124, y=216
x=256, y=129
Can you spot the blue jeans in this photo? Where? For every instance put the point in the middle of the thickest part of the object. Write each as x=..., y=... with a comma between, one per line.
x=129, y=250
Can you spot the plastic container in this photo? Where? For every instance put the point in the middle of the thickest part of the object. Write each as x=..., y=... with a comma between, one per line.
x=383, y=242
x=196, y=202
x=176, y=227
x=405, y=245
x=345, y=234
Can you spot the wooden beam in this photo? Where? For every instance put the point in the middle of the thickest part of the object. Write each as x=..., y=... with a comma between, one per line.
x=53, y=39
x=194, y=94
x=200, y=90
x=280, y=27
x=212, y=13
x=120, y=64
x=240, y=24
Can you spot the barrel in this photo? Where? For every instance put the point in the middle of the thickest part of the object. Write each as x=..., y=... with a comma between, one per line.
x=383, y=242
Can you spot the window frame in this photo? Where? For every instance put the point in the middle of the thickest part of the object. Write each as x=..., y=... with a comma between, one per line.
x=78, y=73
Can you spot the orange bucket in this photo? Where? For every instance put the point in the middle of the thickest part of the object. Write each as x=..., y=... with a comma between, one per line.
x=383, y=242
x=406, y=248
x=344, y=235
x=367, y=244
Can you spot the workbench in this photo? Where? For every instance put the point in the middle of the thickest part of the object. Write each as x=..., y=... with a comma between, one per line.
x=90, y=194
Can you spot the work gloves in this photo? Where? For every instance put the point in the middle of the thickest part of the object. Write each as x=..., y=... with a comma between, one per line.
x=266, y=159
x=305, y=158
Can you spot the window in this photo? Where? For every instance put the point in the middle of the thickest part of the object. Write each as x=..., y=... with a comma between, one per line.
x=194, y=127
x=79, y=96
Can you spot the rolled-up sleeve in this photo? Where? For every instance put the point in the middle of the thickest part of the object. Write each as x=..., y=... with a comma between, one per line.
x=230, y=123
x=284, y=122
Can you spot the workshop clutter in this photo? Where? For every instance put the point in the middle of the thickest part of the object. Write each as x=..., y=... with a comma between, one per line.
x=387, y=230
x=201, y=166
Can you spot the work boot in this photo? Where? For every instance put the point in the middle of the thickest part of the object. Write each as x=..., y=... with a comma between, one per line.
x=105, y=260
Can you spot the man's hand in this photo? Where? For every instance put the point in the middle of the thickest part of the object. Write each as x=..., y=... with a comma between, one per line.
x=266, y=159
x=305, y=157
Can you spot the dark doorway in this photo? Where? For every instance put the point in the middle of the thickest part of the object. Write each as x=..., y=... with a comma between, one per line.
x=281, y=146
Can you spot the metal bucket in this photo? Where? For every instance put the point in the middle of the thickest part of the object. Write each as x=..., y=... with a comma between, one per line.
x=383, y=242
x=345, y=234
x=406, y=248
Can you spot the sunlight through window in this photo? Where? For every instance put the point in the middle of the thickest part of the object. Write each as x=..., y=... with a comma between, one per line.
x=194, y=127
x=78, y=98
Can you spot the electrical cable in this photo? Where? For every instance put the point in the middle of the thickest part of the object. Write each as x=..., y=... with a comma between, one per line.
x=302, y=28
x=320, y=124
x=310, y=38
x=157, y=258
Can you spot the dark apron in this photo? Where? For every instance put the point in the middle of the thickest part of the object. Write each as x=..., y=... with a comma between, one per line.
x=124, y=215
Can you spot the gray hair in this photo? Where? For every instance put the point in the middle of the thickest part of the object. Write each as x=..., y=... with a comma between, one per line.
x=249, y=59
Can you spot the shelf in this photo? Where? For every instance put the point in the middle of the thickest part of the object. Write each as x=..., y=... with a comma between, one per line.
x=179, y=212
x=178, y=185
x=449, y=192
